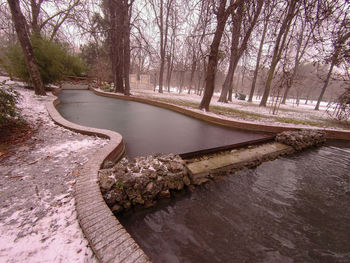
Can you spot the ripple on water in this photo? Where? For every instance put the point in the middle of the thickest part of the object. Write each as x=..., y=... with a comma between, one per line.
x=289, y=210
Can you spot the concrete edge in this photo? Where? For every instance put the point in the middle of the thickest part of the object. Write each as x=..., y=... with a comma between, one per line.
x=330, y=134
x=89, y=200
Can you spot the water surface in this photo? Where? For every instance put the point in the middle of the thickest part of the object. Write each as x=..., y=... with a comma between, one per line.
x=294, y=209
x=145, y=128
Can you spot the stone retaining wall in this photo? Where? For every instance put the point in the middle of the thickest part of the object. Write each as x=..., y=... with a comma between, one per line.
x=245, y=125
x=107, y=237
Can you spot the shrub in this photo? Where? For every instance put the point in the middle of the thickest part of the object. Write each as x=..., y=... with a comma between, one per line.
x=107, y=88
x=9, y=113
x=52, y=58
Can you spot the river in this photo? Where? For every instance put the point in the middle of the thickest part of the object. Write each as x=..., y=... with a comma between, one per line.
x=293, y=209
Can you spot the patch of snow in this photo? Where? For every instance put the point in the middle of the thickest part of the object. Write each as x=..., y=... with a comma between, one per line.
x=289, y=111
x=38, y=222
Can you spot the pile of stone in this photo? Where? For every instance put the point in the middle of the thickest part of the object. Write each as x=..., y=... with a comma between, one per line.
x=301, y=139
x=142, y=181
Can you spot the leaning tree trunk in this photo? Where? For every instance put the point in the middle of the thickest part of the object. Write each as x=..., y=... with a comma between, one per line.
x=325, y=85
x=279, y=46
x=20, y=26
x=222, y=17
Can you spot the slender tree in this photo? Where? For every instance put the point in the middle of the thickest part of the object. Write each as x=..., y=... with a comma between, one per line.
x=239, y=42
x=161, y=10
x=22, y=34
x=222, y=13
x=280, y=42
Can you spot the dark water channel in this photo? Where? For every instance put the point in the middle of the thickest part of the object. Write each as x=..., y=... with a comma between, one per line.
x=294, y=209
x=147, y=129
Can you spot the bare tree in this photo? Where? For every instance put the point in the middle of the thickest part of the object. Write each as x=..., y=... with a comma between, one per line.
x=22, y=34
x=239, y=40
x=161, y=10
x=311, y=17
x=292, y=9
x=269, y=5
x=340, y=47
x=222, y=13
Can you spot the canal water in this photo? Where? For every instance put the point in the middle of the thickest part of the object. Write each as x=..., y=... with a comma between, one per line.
x=294, y=209
x=147, y=129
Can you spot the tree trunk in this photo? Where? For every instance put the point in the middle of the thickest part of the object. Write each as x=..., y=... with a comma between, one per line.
x=325, y=85
x=116, y=44
x=126, y=38
x=236, y=50
x=222, y=16
x=163, y=39
x=279, y=46
x=20, y=25
x=119, y=45
x=256, y=71
x=235, y=36
x=35, y=8
x=193, y=69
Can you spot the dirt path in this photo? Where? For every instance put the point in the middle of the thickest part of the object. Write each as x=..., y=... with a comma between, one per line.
x=37, y=214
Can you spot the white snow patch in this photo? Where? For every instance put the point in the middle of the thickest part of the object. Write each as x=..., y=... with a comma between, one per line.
x=54, y=238
x=28, y=235
x=66, y=148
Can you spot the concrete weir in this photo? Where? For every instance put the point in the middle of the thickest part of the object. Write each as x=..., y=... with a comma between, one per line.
x=201, y=171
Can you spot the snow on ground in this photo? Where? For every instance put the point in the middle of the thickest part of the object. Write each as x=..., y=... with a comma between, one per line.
x=289, y=111
x=37, y=216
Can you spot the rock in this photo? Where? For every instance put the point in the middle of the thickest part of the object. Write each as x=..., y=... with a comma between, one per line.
x=138, y=200
x=106, y=180
x=179, y=185
x=117, y=208
x=149, y=204
x=164, y=194
x=149, y=187
x=127, y=205
x=301, y=139
x=135, y=169
x=153, y=175
x=186, y=180
x=175, y=166
x=107, y=165
x=142, y=181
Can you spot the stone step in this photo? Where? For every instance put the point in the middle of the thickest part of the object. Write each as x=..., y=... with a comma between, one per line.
x=201, y=171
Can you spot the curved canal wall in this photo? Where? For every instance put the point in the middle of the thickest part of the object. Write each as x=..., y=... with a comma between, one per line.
x=107, y=237
x=244, y=125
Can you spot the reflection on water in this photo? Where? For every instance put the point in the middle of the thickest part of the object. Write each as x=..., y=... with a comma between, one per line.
x=294, y=209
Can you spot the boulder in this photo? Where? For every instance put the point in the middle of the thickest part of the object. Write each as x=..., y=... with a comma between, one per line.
x=106, y=180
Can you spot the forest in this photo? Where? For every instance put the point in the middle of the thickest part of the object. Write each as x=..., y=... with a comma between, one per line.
x=265, y=50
